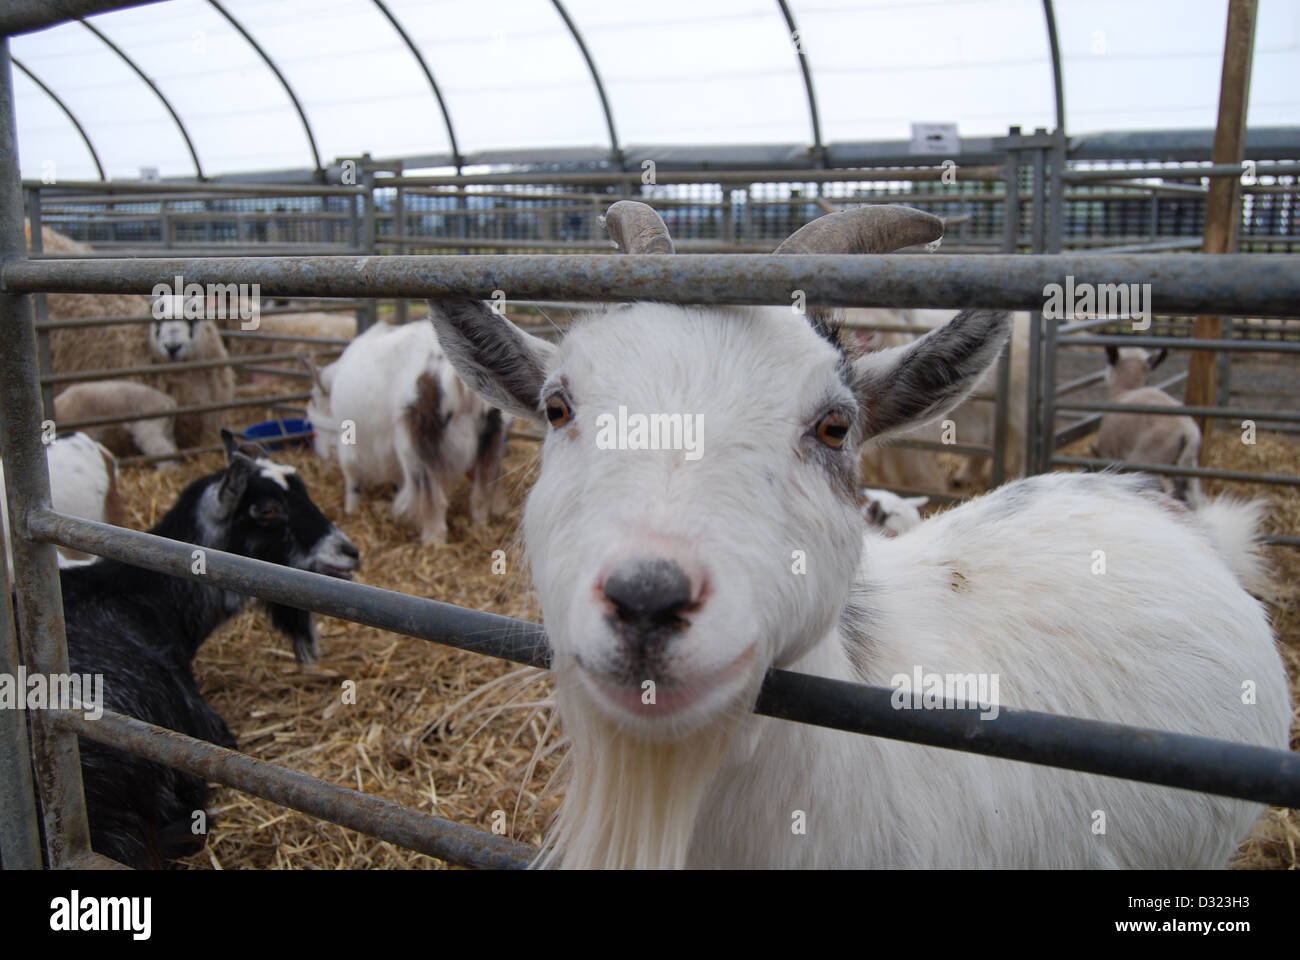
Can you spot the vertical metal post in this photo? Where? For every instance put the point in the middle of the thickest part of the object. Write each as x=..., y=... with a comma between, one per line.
x=1055, y=242
x=403, y=312
x=43, y=337
x=20, y=842
x=36, y=576
x=371, y=310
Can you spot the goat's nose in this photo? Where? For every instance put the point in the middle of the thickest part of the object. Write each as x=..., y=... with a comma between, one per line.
x=349, y=549
x=173, y=349
x=649, y=594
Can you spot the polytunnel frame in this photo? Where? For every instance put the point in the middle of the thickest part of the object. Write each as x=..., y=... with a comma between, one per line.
x=29, y=15
x=1257, y=283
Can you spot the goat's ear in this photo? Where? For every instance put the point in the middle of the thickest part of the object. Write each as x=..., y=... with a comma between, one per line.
x=230, y=441
x=917, y=502
x=1112, y=356
x=496, y=358
x=1157, y=358
x=904, y=387
x=234, y=482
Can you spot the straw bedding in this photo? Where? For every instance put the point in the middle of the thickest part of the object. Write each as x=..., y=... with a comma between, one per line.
x=453, y=733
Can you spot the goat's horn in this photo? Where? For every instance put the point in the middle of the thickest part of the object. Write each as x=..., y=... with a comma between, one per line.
x=637, y=228
x=869, y=229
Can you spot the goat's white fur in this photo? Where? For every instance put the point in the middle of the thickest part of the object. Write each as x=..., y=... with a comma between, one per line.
x=83, y=483
x=372, y=385
x=1007, y=584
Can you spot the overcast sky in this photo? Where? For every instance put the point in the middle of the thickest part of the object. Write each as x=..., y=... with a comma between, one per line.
x=676, y=71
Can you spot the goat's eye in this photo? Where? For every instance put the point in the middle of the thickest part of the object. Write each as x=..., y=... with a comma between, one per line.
x=266, y=511
x=833, y=430
x=557, y=410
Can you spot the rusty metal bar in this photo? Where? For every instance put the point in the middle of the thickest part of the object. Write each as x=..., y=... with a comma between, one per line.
x=373, y=816
x=78, y=376
x=36, y=576
x=1257, y=284
x=184, y=411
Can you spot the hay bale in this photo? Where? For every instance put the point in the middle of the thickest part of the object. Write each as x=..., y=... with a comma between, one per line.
x=92, y=348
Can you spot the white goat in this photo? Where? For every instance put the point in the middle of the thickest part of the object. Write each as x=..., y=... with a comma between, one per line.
x=83, y=483
x=397, y=413
x=890, y=514
x=1147, y=437
x=670, y=586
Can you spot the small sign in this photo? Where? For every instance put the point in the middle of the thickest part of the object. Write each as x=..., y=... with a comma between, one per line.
x=935, y=138
x=149, y=175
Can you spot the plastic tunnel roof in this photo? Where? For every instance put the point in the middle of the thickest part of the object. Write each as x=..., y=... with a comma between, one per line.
x=231, y=86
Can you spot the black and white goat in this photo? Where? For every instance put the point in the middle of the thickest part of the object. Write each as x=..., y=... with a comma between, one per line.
x=140, y=630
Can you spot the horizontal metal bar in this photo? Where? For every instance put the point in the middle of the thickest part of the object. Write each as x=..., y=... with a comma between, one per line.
x=662, y=176
x=443, y=839
x=233, y=248
x=1220, y=413
x=1155, y=246
x=1090, y=746
x=1279, y=540
x=79, y=376
x=474, y=630
x=1175, y=171
x=1175, y=471
x=182, y=411
x=68, y=323
x=1237, y=770
x=284, y=337
x=1079, y=383
x=184, y=190
x=961, y=449
x=1255, y=284
x=1181, y=343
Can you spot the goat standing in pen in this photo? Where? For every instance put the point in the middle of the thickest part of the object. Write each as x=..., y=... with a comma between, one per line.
x=1156, y=439
x=140, y=630
x=690, y=579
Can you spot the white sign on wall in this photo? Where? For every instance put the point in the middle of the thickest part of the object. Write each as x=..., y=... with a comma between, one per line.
x=935, y=138
x=150, y=175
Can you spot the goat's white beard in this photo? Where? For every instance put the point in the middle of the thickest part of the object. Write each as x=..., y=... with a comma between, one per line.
x=629, y=803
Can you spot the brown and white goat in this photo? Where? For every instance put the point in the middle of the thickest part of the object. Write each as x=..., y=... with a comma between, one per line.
x=397, y=413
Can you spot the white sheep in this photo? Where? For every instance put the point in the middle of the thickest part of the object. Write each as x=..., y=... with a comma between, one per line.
x=122, y=398
x=670, y=586
x=183, y=341
x=890, y=514
x=395, y=412
x=83, y=483
x=1146, y=437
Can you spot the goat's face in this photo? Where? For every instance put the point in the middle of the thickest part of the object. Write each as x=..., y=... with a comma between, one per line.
x=685, y=573
x=1127, y=367
x=174, y=341
x=261, y=509
x=672, y=580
